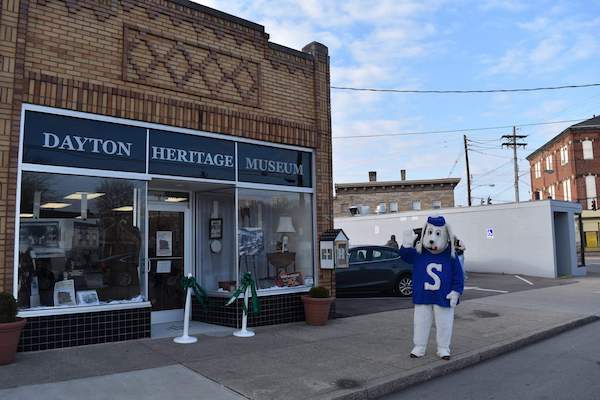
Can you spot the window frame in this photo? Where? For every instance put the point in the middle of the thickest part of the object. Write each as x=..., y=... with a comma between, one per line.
x=237, y=184
x=587, y=147
x=564, y=155
x=412, y=205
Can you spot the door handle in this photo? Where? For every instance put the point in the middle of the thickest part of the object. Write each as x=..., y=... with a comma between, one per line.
x=148, y=265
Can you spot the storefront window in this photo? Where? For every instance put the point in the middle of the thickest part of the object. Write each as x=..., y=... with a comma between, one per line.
x=216, y=238
x=81, y=240
x=275, y=238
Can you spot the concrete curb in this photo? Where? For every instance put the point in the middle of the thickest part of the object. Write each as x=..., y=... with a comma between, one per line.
x=394, y=383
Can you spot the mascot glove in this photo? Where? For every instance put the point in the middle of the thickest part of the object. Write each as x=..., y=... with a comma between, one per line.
x=453, y=296
x=408, y=238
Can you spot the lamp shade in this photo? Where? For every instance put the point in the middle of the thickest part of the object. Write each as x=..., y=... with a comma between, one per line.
x=285, y=225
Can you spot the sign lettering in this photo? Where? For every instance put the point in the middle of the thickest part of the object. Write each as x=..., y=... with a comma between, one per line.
x=52, y=139
x=436, y=279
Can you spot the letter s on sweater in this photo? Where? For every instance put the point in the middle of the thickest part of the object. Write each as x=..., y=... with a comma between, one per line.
x=436, y=279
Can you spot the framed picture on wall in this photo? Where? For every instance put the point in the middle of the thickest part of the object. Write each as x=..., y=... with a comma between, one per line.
x=164, y=243
x=215, y=228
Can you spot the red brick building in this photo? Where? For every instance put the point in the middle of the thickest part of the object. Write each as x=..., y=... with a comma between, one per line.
x=144, y=140
x=567, y=167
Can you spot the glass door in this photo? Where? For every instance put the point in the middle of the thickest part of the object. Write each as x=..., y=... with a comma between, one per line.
x=168, y=260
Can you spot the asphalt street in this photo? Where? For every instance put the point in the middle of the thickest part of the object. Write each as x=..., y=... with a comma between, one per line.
x=477, y=285
x=561, y=368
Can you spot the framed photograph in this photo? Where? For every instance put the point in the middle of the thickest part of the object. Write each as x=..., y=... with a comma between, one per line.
x=87, y=298
x=215, y=228
x=164, y=244
x=64, y=293
x=251, y=241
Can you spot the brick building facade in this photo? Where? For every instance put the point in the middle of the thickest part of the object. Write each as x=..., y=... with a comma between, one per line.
x=393, y=196
x=567, y=166
x=173, y=65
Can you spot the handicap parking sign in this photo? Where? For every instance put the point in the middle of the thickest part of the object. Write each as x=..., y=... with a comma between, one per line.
x=490, y=233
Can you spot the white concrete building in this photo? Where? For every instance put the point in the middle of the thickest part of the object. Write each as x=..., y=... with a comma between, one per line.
x=541, y=238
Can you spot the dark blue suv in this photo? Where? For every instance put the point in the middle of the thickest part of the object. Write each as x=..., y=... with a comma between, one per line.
x=375, y=269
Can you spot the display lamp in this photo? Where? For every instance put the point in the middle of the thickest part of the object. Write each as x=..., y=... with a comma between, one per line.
x=284, y=227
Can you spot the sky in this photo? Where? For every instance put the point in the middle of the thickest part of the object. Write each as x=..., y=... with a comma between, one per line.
x=443, y=45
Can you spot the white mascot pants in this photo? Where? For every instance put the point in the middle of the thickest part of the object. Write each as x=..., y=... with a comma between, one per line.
x=444, y=320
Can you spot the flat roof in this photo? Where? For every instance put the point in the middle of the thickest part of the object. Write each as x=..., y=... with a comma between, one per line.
x=442, y=181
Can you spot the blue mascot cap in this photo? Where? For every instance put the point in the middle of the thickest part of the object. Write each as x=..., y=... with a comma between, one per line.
x=436, y=221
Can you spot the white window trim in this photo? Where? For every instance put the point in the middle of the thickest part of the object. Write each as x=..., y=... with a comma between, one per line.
x=538, y=169
x=549, y=163
x=37, y=312
x=590, y=153
x=564, y=155
x=22, y=167
x=412, y=205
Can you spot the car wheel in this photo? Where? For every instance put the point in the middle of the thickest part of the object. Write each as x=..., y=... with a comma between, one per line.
x=404, y=286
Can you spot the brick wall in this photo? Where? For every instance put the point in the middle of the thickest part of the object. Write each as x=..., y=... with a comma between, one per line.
x=404, y=198
x=165, y=61
x=575, y=170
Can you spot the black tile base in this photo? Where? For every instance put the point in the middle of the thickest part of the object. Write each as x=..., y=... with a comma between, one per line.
x=56, y=331
x=276, y=309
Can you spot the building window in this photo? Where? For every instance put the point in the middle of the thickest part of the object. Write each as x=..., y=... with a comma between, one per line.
x=276, y=237
x=564, y=155
x=567, y=190
x=590, y=191
x=538, y=195
x=380, y=208
x=552, y=192
x=549, y=163
x=588, y=150
x=436, y=204
x=416, y=204
x=81, y=240
x=538, y=169
x=394, y=206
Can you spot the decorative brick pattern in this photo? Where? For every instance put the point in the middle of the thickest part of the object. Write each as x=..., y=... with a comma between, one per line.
x=56, y=331
x=161, y=61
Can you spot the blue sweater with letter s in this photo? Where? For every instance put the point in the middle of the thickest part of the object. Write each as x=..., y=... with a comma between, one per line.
x=434, y=275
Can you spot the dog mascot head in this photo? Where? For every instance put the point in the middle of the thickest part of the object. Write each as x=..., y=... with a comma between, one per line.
x=436, y=237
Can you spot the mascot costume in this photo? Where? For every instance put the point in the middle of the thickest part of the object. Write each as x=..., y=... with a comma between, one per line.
x=437, y=284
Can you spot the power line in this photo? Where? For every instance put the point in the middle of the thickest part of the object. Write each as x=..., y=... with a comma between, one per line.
x=414, y=91
x=487, y=128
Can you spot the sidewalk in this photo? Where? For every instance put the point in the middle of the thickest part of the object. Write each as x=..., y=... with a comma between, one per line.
x=359, y=357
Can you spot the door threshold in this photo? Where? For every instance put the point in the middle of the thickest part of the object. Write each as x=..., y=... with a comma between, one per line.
x=175, y=328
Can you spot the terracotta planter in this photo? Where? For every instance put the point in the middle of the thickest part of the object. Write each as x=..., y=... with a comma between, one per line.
x=316, y=310
x=10, y=334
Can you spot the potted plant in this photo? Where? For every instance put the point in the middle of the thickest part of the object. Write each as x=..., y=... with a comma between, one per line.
x=10, y=328
x=317, y=305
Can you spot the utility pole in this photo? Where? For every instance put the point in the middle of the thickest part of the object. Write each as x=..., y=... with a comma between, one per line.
x=468, y=172
x=512, y=141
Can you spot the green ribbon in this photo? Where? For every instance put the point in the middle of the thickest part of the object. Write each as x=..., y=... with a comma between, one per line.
x=199, y=293
x=246, y=282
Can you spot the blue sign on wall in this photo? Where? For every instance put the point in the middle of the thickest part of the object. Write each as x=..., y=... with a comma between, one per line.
x=52, y=139
x=179, y=154
x=273, y=165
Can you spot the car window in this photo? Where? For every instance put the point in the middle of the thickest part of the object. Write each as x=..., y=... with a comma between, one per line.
x=358, y=255
x=383, y=254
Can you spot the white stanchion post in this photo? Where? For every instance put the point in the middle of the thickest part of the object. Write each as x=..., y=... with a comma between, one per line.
x=186, y=339
x=245, y=332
